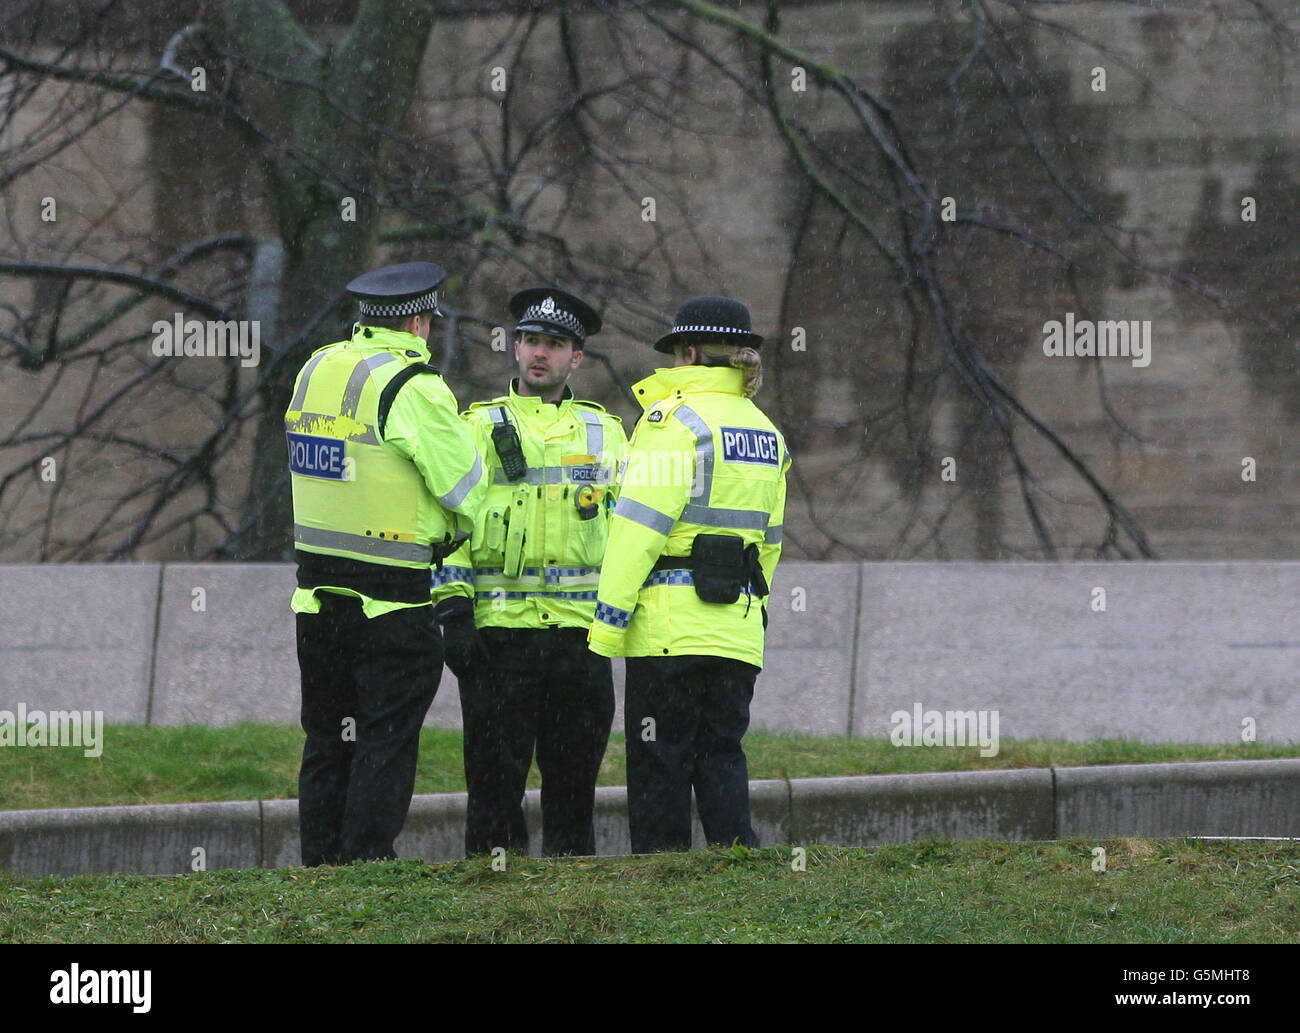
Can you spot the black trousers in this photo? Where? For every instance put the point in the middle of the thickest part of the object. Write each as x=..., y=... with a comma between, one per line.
x=354, y=790
x=684, y=717
x=541, y=687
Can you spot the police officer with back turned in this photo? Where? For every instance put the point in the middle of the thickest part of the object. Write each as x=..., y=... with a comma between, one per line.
x=386, y=482
x=693, y=546
x=515, y=604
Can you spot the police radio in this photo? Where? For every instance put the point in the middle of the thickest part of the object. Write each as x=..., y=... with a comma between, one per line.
x=505, y=439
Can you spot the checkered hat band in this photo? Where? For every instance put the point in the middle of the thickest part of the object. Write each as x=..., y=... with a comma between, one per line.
x=557, y=316
x=412, y=307
x=708, y=330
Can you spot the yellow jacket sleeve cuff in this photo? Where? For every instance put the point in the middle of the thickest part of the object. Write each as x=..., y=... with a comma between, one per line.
x=604, y=640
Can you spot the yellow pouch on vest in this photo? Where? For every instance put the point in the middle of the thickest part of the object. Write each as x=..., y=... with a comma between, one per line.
x=494, y=532
x=518, y=517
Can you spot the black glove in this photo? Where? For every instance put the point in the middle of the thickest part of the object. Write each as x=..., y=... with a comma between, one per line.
x=462, y=644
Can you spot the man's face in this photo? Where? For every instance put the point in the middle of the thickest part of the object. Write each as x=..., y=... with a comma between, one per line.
x=545, y=361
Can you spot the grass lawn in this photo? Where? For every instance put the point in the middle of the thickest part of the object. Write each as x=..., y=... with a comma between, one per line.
x=248, y=762
x=1152, y=891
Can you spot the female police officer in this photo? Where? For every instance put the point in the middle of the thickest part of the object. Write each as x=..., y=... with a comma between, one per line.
x=692, y=548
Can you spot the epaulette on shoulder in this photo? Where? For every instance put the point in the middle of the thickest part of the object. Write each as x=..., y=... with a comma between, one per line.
x=662, y=409
x=582, y=403
x=487, y=403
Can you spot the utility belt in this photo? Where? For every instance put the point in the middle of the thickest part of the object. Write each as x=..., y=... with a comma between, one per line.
x=721, y=567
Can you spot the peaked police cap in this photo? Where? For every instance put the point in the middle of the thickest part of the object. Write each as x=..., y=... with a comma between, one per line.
x=408, y=289
x=544, y=310
x=705, y=319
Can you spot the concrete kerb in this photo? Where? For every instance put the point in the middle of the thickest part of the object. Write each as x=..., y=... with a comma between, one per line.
x=158, y=839
x=873, y=809
x=1220, y=798
x=1209, y=798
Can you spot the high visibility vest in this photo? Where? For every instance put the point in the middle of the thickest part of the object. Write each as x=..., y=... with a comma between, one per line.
x=704, y=459
x=534, y=559
x=353, y=497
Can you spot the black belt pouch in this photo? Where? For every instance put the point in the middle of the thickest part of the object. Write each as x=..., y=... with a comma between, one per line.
x=718, y=563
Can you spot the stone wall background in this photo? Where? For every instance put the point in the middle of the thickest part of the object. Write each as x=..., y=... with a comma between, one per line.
x=1171, y=163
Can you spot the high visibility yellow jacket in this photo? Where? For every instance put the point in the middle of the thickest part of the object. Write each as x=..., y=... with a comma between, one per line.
x=533, y=560
x=382, y=469
x=703, y=460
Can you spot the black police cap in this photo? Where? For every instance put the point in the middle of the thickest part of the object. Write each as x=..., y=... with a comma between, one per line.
x=544, y=310
x=710, y=319
x=408, y=289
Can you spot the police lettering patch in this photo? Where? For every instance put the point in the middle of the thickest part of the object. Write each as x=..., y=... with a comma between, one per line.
x=586, y=474
x=748, y=445
x=311, y=456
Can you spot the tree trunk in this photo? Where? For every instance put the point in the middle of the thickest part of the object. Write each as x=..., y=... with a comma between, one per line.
x=334, y=128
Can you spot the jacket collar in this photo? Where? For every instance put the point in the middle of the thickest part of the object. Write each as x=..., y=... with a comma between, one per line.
x=533, y=404
x=379, y=339
x=672, y=380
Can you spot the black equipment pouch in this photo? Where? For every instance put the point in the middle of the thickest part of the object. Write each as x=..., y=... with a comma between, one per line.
x=757, y=581
x=505, y=439
x=718, y=562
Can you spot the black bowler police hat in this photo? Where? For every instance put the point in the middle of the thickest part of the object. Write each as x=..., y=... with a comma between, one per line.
x=408, y=289
x=544, y=310
x=719, y=320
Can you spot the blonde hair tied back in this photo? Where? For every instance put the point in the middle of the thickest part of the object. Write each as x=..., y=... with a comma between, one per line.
x=747, y=360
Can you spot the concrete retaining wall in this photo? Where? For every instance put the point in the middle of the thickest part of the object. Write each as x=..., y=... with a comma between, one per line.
x=1242, y=798
x=1227, y=798
x=153, y=840
x=1181, y=651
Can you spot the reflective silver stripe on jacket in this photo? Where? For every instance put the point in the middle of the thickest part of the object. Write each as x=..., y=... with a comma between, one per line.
x=540, y=475
x=731, y=519
x=561, y=577
x=639, y=513
x=363, y=544
x=774, y=534
x=710, y=516
x=703, y=485
x=457, y=494
x=357, y=381
x=300, y=395
x=533, y=475
x=595, y=433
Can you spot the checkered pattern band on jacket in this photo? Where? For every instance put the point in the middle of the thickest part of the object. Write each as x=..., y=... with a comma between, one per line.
x=612, y=615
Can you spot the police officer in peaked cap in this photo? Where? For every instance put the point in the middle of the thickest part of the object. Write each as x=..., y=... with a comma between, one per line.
x=515, y=603
x=386, y=482
x=688, y=567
